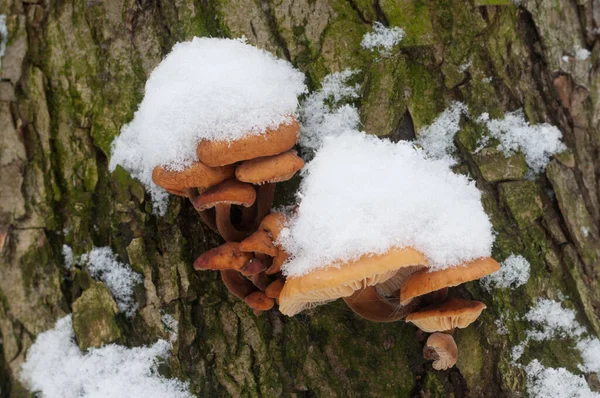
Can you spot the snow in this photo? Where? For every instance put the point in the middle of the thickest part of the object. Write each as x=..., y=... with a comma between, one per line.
x=514, y=272
x=171, y=325
x=463, y=68
x=119, y=277
x=382, y=38
x=56, y=368
x=581, y=53
x=324, y=113
x=361, y=195
x=4, y=35
x=590, y=354
x=501, y=325
x=552, y=321
x=437, y=139
x=537, y=142
x=556, y=383
x=68, y=257
x=206, y=88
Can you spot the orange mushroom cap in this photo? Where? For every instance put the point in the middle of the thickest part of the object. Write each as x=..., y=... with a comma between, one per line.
x=442, y=349
x=274, y=289
x=343, y=279
x=259, y=301
x=452, y=313
x=273, y=223
x=422, y=282
x=230, y=192
x=269, y=169
x=272, y=142
x=226, y=256
x=197, y=175
x=259, y=242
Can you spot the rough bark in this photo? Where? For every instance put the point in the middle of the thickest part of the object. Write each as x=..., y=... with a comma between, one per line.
x=74, y=72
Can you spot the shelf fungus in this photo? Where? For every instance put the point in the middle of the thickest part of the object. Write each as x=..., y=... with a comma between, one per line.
x=442, y=349
x=344, y=279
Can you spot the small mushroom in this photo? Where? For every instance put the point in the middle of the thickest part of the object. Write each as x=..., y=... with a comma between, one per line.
x=423, y=282
x=198, y=175
x=254, y=266
x=274, y=289
x=226, y=256
x=259, y=242
x=221, y=197
x=442, y=349
x=237, y=285
x=259, y=301
x=342, y=279
x=272, y=142
x=278, y=261
x=371, y=305
x=273, y=224
x=444, y=317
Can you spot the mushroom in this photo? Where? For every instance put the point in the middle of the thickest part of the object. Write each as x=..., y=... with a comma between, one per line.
x=226, y=256
x=265, y=172
x=392, y=286
x=272, y=142
x=371, y=305
x=442, y=349
x=274, y=289
x=254, y=266
x=198, y=175
x=444, y=317
x=221, y=197
x=259, y=242
x=237, y=285
x=342, y=279
x=278, y=261
x=423, y=282
x=259, y=301
x=273, y=224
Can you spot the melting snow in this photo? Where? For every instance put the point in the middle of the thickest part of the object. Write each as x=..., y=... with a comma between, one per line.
x=4, y=37
x=382, y=38
x=537, y=142
x=207, y=88
x=55, y=367
x=361, y=194
x=514, y=272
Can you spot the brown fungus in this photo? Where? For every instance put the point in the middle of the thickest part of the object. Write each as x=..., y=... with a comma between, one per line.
x=442, y=349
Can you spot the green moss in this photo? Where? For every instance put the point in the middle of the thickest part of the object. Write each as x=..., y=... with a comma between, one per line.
x=494, y=2
x=494, y=166
x=522, y=201
x=94, y=317
x=413, y=17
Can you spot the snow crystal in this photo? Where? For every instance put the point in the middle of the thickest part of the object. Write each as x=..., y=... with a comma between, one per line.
x=171, y=325
x=537, y=142
x=437, y=139
x=514, y=272
x=590, y=353
x=551, y=321
x=119, y=277
x=585, y=231
x=207, y=88
x=382, y=38
x=4, y=36
x=556, y=383
x=67, y=253
x=463, y=68
x=55, y=367
x=361, y=194
x=581, y=53
x=324, y=114
x=501, y=325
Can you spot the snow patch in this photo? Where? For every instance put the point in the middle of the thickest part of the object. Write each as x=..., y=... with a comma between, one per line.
x=437, y=139
x=537, y=142
x=56, y=367
x=552, y=321
x=361, y=195
x=590, y=354
x=324, y=113
x=68, y=257
x=119, y=277
x=172, y=327
x=514, y=272
x=207, y=88
x=556, y=383
x=382, y=38
x=581, y=53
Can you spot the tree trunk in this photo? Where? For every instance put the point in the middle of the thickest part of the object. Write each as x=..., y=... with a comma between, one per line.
x=74, y=72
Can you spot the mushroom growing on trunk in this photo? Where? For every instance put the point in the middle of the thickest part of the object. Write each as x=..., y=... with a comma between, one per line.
x=442, y=349
x=444, y=317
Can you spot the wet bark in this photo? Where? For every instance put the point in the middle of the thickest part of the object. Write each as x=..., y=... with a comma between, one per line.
x=73, y=74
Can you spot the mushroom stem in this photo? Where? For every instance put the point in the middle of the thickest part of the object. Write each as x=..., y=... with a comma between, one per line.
x=226, y=229
x=264, y=198
x=237, y=285
x=369, y=304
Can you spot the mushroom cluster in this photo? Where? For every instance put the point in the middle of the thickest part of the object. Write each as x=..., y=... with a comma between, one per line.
x=395, y=285
x=232, y=186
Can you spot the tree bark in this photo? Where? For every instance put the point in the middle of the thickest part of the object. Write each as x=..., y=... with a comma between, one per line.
x=74, y=72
